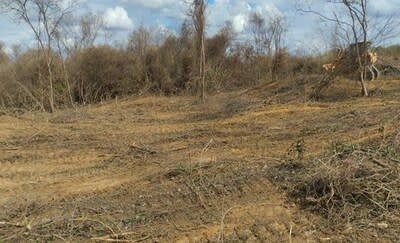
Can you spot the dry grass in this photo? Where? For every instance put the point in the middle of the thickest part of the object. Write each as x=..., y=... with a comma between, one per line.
x=169, y=169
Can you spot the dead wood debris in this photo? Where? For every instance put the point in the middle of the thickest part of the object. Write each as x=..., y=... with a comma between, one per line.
x=347, y=185
x=142, y=149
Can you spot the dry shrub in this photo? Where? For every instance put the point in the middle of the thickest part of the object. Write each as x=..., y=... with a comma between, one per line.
x=100, y=73
x=280, y=65
x=218, y=78
x=7, y=76
x=349, y=189
x=185, y=70
x=305, y=65
x=219, y=73
x=6, y=73
x=350, y=184
x=241, y=64
x=25, y=82
x=160, y=71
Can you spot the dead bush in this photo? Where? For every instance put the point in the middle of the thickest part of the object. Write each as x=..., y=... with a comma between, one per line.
x=280, y=64
x=158, y=72
x=8, y=87
x=348, y=185
x=100, y=73
x=305, y=65
x=25, y=81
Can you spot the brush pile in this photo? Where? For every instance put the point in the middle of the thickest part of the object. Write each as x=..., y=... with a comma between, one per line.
x=349, y=185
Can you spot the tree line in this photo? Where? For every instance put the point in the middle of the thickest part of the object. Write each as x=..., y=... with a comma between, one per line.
x=67, y=67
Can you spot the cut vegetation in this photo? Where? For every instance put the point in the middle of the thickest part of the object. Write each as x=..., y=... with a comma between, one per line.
x=149, y=169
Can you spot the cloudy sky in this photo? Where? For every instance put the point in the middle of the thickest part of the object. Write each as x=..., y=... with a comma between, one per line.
x=123, y=16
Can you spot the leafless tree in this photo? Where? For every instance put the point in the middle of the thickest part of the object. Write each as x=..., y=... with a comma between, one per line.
x=268, y=37
x=90, y=25
x=358, y=12
x=198, y=14
x=44, y=17
x=278, y=27
x=354, y=28
x=262, y=35
x=186, y=34
x=139, y=43
x=81, y=32
x=277, y=24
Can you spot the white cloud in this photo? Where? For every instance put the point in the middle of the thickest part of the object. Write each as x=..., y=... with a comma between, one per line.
x=239, y=22
x=8, y=51
x=175, y=9
x=238, y=12
x=155, y=4
x=267, y=9
x=69, y=3
x=386, y=7
x=117, y=18
x=170, y=14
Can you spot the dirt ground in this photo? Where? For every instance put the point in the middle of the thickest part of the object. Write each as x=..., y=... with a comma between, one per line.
x=168, y=169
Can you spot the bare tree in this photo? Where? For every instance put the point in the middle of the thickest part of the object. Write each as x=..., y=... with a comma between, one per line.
x=81, y=32
x=277, y=24
x=262, y=35
x=354, y=28
x=90, y=25
x=358, y=12
x=268, y=37
x=278, y=27
x=44, y=18
x=139, y=43
x=61, y=39
x=198, y=14
x=186, y=34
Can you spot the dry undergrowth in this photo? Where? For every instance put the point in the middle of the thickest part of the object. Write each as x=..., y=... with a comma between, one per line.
x=353, y=186
x=158, y=169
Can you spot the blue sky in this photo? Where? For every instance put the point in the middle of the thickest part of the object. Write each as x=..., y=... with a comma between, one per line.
x=305, y=31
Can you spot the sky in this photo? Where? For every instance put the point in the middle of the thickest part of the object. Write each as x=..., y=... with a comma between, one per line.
x=121, y=17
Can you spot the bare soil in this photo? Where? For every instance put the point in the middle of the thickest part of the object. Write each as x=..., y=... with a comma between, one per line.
x=169, y=169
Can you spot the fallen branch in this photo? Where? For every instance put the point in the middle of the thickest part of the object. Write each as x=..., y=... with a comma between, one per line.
x=222, y=225
x=3, y=223
x=46, y=236
x=115, y=237
x=187, y=229
x=10, y=149
x=380, y=163
x=142, y=149
x=36, y=133
x=290, y=233
x=96, y=221
x=394, y=160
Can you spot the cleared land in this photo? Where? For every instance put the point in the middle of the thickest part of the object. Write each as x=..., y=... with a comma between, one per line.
x=172, y=170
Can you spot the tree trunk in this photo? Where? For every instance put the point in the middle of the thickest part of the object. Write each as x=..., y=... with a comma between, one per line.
x=199, y=21
x=51, y=91
x=51, y=95
x=364, y=90
x=202, y=68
